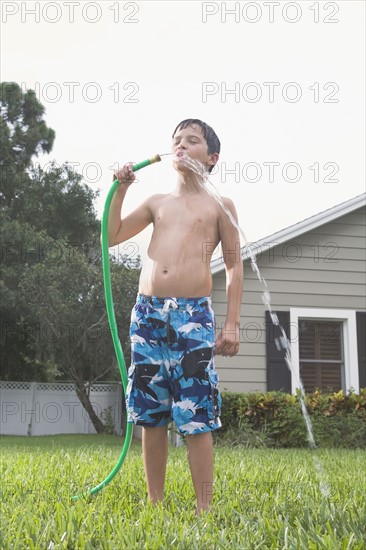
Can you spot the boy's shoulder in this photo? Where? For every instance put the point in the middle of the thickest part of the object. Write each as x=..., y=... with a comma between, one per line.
x=227, y=203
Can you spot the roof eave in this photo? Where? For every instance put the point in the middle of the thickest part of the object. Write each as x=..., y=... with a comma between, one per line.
x=293, y=231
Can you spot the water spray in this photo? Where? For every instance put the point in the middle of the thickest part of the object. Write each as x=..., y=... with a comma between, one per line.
x=112, y=322
x=282, y=343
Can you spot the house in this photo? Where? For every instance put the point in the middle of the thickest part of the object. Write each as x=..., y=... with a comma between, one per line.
x=315, y=272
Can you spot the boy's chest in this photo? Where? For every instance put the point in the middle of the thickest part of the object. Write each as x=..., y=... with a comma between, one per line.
x=186, y=215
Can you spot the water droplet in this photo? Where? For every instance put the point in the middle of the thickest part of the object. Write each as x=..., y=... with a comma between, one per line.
x=274, y=318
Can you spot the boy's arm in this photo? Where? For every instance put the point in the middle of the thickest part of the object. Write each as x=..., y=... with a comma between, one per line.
x=228, y=340
x=120, y=230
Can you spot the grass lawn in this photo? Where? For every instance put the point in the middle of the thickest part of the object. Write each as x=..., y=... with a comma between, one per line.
x=293, y=499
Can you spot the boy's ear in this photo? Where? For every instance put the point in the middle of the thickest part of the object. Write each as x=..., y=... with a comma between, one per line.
x=213, y=159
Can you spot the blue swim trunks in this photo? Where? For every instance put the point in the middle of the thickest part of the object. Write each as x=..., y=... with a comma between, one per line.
x=172, y=374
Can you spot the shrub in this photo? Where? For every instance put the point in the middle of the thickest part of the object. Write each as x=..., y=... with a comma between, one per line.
x=274, y=419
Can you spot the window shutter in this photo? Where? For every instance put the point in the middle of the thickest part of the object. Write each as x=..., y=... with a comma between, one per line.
x=307, y=345
x=278, y=374
x=330, y=340
x=331, y=377
x=308, y=375
x=361, y=347
x=320, y=340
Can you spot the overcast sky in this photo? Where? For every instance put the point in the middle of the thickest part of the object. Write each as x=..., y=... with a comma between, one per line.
x=282, y=84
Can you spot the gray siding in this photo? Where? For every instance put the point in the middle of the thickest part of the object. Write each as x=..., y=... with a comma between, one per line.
x=323, y=268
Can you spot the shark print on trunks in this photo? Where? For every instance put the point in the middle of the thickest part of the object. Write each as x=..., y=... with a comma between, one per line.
x=172, y=374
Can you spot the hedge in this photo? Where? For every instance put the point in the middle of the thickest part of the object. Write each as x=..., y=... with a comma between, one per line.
x=275, y=420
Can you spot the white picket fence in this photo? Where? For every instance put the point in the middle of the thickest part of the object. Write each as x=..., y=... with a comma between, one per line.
x=35, y=408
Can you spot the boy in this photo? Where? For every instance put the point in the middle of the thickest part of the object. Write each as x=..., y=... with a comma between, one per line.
x=172, y=375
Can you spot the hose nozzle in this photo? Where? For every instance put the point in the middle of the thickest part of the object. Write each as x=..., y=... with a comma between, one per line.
x=147, y=162
x=142, y=164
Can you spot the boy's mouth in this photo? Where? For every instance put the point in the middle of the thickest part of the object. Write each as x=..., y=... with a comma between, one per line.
x=181, y=157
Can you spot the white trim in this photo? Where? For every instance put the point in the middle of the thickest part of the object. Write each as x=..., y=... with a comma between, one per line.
x=348, y=317
x=293, y=231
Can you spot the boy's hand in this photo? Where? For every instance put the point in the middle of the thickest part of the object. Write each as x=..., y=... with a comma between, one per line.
x=125, y=176
x=228, y=341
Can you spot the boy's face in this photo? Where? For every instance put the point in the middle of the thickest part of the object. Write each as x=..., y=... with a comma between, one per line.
x=191, y=142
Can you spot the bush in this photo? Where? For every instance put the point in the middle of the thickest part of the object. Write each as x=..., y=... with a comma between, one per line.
x=275, y=419
x=340, y=430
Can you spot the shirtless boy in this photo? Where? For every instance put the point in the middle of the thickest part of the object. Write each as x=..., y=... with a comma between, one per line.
x=172, y=375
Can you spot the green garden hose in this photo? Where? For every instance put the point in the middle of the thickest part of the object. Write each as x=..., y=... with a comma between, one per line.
x=113, y=323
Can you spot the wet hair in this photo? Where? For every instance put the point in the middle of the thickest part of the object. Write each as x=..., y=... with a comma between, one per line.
x=213, y=142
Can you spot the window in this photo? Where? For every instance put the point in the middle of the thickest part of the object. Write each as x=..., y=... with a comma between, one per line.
x=324, y=349
x=321, y=355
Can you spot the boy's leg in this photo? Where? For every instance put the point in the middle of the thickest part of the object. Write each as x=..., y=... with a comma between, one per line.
x=155, y=453
x=200, y=457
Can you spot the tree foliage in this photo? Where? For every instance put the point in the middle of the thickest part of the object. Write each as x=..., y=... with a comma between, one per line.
x=54, y=324
x=24, y=134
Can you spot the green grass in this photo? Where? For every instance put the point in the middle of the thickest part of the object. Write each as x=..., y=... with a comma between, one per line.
x=262, y=498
